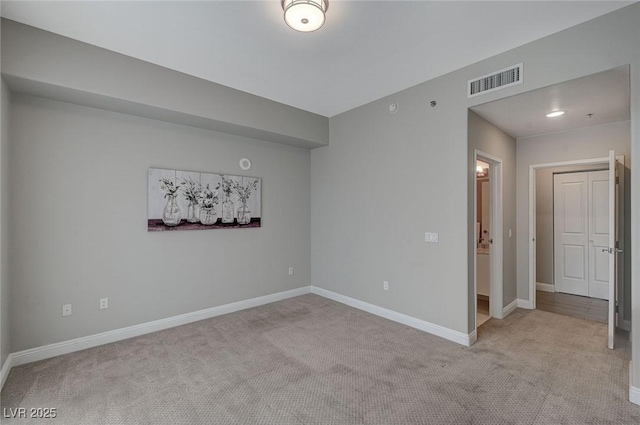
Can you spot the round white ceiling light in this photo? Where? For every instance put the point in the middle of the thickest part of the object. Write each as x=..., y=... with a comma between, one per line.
x=305, y=15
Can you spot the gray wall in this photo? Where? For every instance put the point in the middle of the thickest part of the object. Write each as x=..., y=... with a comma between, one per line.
x=490, y=139
x=5, y=345
x=584, y=143
x=65, y=69
x=381, y=183
x=386, y=179
x=78, y=222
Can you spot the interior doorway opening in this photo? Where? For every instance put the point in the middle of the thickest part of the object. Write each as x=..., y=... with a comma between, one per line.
x=488, y=255
x=582, y=253
x=560, y=124
x=483, y=241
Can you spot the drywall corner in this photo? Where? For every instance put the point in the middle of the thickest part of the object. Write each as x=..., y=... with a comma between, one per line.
x=5, y=346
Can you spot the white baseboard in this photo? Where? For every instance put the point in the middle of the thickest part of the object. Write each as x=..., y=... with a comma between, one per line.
x=634, y=395
x=473, y=337
x=625, y=324
x=634, y=392
x=441, y=331
x=509, y=309
x=4, y=372
x=65, y=347
x=525, y=304
x=545, y=287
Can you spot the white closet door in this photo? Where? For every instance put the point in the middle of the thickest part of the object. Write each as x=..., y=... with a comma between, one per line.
x=571, y=236
x=599, y=234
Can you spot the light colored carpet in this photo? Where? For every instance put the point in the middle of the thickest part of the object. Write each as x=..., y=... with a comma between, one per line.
x=309, y=360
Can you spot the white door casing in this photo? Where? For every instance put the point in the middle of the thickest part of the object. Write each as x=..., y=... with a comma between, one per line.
x=571, y=238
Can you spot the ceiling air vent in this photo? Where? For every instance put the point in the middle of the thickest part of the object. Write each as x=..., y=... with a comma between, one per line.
x=495, y=81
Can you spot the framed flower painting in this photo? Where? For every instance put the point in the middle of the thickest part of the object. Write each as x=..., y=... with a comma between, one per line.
x=188, y=200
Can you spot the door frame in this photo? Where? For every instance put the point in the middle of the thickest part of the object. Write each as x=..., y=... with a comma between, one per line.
x=532, y=214
x=496, y=225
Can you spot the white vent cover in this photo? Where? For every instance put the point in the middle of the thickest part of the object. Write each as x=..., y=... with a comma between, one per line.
x=495, y=81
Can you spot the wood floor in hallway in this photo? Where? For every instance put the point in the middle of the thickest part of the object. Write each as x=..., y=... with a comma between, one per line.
x=573, y=305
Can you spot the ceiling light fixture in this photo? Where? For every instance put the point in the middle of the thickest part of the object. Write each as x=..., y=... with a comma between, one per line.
x=555, y=114
x=305, y=15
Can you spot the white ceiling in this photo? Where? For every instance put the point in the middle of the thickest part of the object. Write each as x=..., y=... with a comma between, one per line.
x=605, y=94
x=365, y=51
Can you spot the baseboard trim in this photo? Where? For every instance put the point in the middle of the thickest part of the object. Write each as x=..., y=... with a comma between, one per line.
x=510, y=308
x=6, y=367
x=526, y=304
x=441, y=331
x=634, y=395
x=545, y=287
x=625, y=324
x=634, y=392
x=473, y=337
x=77, y=344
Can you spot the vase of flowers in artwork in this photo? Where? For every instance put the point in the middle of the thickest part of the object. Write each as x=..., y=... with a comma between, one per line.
x=191, y=191
x=207, y=201
x=171, y=215
x=243, y=193
x=227, y=205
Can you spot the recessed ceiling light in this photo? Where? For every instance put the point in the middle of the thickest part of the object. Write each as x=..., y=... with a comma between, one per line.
x=555, y=114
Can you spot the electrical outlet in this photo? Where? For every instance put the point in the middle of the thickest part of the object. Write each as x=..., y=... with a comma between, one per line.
x=290, y=271
x=104, y=303
x=66, y=310
x=385, y=285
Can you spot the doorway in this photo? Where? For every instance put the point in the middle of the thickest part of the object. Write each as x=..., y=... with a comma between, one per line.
x=581, y=231
x=581, y=118
x=484, y=241
x=585, y=242
x=488, y=254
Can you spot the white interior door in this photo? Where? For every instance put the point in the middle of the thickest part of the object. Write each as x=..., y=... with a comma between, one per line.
x=571, y=238
x=612, y=249
x=599, y=234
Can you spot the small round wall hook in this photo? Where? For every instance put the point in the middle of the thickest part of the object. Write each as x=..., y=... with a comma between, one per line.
x=433, y=103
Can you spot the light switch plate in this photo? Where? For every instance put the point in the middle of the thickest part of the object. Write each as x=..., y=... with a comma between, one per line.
x=431, y=237
x=66, y=310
